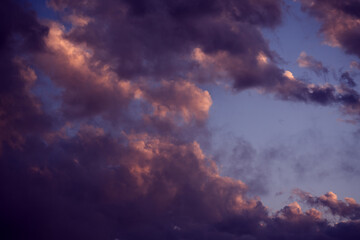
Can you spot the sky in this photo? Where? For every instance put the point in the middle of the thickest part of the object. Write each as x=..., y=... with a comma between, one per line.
x=175, y=119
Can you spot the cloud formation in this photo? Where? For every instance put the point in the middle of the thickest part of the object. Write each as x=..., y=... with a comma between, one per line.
x=20, y=111
x=306, y=61
x=340, y=22
x=136, y=67
x=348, y=209
x=160, y=41
x=355, y=64
x=347, y=79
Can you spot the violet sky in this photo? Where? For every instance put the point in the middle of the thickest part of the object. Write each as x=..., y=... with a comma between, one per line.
x=179, y=119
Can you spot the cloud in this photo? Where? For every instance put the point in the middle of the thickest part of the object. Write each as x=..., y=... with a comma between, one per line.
x=167, y=41
x=154, y=38
x=348, y=209
x=306, y=61
x=179, y=97
x=112, y=162
x=326, y=94
x=340, y=22
x=96, y=186
x=355, y=64
x=100, y=180
x=90, y=87
x=347, y=79
x=20, y=111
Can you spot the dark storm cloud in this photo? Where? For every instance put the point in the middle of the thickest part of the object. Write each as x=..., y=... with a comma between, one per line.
x=340, y=22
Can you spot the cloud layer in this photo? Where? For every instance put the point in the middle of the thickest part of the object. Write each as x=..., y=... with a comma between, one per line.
x=117, y=157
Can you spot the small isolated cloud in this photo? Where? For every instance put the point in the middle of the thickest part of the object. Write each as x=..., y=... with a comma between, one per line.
x=306, y=61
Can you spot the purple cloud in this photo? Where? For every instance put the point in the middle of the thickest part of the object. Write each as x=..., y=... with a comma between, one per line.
x=340, y=22
x=306, y=61
x=118, y=158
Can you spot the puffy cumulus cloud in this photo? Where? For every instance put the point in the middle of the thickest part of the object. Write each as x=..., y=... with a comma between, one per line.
x=340, y=22
x=93, y=185
x=306, y=61
x=173, y=41
x=293, y=224
x=89, y=86
x=156, y=39
x=256, y=70
x=291, y=211
x=289, y=223
x=92, y=88
x=182, y=98
x=347, y=209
